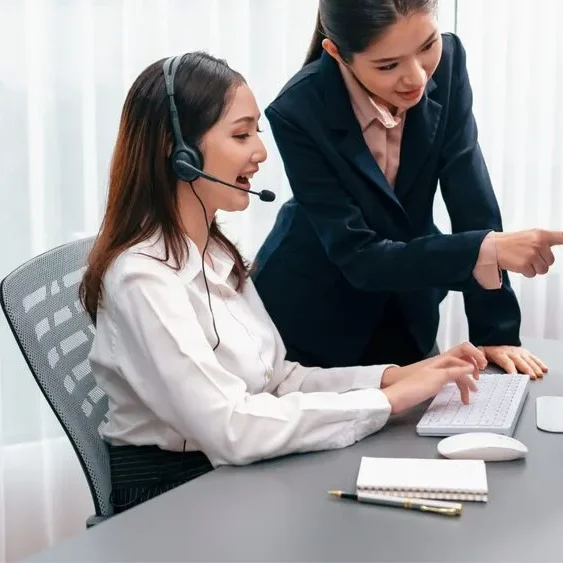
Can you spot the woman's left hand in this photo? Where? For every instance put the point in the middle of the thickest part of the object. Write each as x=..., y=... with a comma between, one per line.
x=515, y=359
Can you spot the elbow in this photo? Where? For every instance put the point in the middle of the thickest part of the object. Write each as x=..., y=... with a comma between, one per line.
x=235, y=446
x=224, y=451
x=358, y=272
x=230, y=457
x=232, y=445
x=370, y=269
x=367, y=283
x=236, y=453
x=373, y=276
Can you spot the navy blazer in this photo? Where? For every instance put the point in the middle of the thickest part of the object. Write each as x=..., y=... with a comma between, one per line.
x=347, y=240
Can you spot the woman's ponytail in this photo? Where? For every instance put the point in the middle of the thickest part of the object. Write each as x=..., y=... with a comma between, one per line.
x=316, y=46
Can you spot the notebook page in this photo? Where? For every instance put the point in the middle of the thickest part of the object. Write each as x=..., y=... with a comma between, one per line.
x=432, y=475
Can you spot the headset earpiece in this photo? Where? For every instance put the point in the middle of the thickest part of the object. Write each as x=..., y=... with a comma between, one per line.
x=186, y=161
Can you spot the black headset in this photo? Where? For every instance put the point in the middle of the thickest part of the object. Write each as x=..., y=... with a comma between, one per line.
x=186, y=160
x=187, y=163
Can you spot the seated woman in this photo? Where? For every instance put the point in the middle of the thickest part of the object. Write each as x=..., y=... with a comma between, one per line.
x=193, y=367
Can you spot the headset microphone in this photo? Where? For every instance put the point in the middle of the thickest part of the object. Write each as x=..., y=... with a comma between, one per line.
x=264, y=195
x=186, y=159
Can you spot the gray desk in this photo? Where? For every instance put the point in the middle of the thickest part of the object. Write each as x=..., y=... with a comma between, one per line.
x=279, y=510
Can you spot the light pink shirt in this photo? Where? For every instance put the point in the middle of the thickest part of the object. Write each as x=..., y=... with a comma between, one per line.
x=383, y=132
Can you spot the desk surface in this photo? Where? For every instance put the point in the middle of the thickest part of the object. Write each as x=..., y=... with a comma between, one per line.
x=279, y=510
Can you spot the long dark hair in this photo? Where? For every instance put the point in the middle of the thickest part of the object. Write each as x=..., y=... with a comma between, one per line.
x=142, y=196
x=353, y=25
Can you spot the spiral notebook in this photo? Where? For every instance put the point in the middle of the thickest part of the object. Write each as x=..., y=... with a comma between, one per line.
x=444, y=479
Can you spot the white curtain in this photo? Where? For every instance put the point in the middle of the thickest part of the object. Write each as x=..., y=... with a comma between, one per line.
x=515, y=60
x=65, y=69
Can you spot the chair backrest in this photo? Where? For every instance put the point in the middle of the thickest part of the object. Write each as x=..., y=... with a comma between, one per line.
x=54, y=333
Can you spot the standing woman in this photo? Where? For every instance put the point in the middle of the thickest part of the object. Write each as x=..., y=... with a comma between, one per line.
x=354, y=269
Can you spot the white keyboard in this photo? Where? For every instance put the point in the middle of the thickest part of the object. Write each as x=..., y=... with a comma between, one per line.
x=494, y=407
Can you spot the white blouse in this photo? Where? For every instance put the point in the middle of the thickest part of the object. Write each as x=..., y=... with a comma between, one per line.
x=153, y=356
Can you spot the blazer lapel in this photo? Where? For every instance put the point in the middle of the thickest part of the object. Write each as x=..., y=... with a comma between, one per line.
x=420, y=130
x=341, y=118
x=355, y=150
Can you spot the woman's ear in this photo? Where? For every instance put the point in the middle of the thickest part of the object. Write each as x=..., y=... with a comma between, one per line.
x=332, y=50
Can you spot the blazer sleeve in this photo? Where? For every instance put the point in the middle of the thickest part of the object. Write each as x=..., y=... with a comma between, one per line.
x=369, y=262
x=493, y=316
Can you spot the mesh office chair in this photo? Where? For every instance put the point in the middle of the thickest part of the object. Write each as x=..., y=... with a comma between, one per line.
x=54, y=333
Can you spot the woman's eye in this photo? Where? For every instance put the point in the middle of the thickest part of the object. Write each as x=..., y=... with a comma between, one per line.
x=429, y=46
x=244, y=136
x=388, y=67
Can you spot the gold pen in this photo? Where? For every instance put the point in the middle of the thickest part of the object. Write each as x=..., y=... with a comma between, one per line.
x=424, y=505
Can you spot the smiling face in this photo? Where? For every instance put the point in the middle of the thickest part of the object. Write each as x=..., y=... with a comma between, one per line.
x=232, y=151
x=396, y=68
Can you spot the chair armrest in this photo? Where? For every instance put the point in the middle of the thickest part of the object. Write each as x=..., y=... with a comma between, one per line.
x=93, y=520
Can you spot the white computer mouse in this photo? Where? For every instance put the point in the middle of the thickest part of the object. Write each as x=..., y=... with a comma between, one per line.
x=487, y=446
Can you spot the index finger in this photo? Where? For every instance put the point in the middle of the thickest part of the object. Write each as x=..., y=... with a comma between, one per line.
x=554, y=238
x=466, y=385
x=463, y=391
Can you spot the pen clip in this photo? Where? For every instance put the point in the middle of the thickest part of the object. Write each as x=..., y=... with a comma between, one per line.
x=453, y=511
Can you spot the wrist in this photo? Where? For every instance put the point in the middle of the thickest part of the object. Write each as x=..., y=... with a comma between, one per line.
x=391, y=375
x=500, y=238
x=398, y=396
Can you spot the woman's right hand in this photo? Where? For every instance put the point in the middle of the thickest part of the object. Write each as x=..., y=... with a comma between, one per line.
x=427, y=382
x=527, y=252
